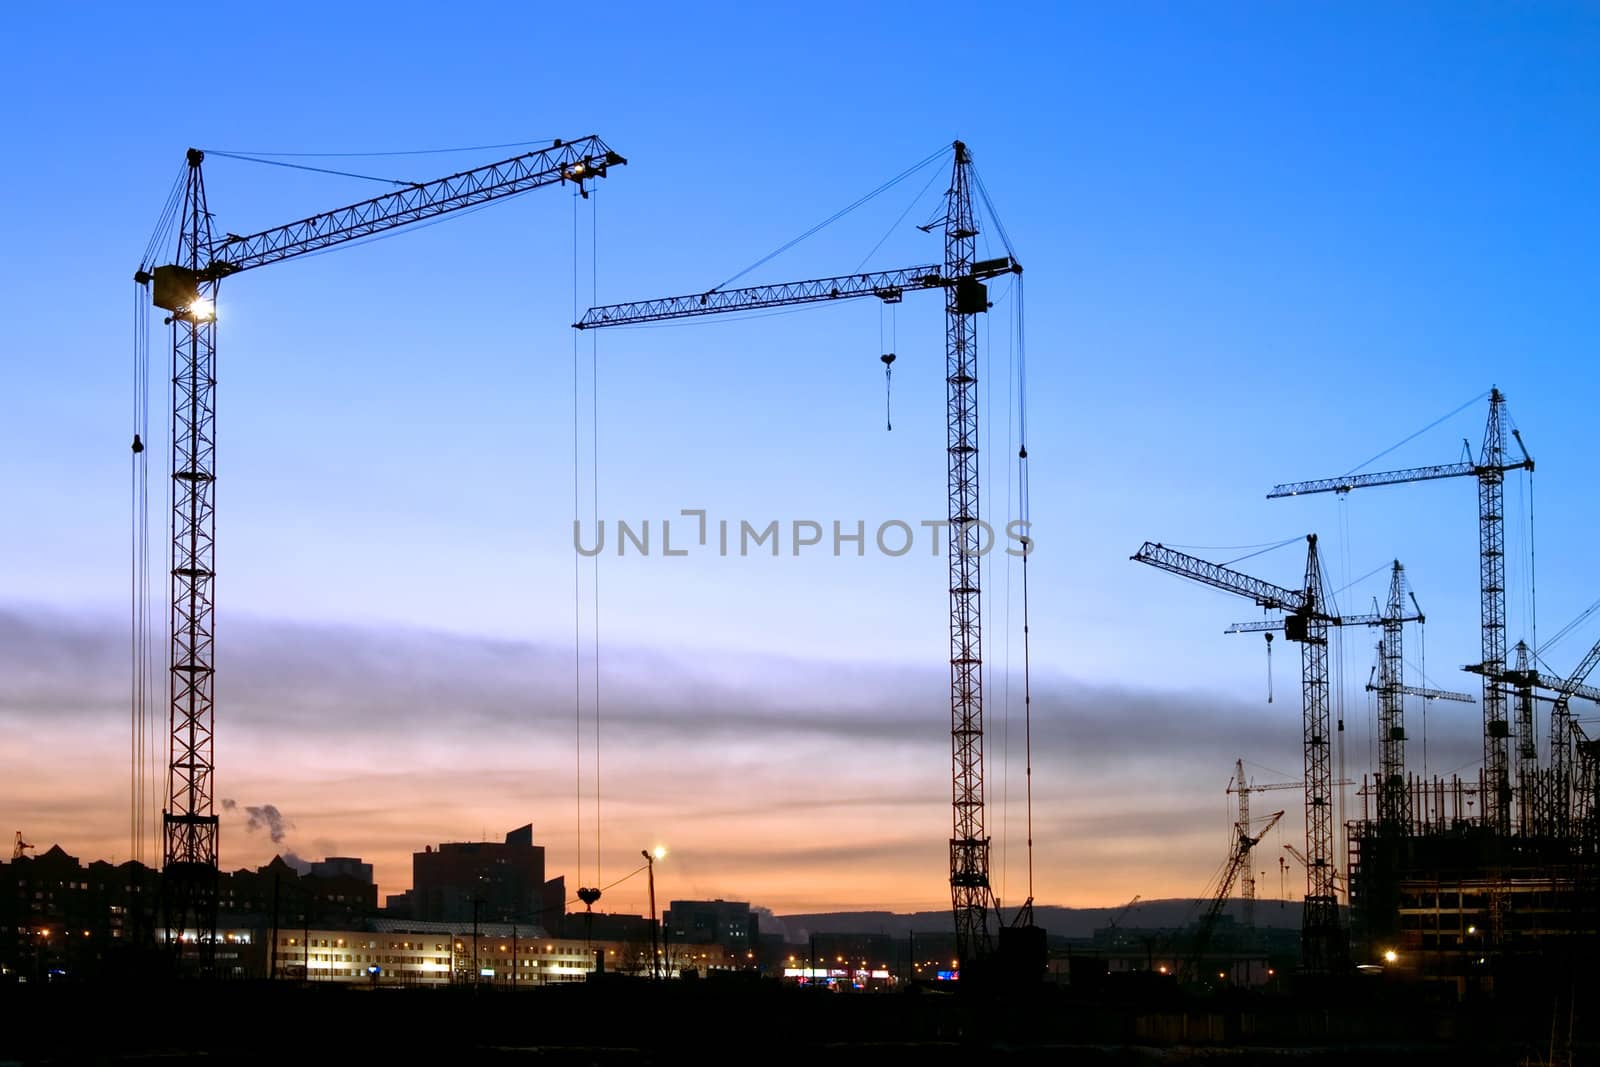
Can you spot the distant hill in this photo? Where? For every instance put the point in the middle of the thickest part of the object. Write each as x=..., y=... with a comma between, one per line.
x=1057, y=921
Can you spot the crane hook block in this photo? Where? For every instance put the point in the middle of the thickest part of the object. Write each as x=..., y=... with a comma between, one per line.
x=887, y=357
x=138, y=445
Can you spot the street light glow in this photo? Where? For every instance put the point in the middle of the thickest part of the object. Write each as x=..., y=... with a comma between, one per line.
x=1390, y=956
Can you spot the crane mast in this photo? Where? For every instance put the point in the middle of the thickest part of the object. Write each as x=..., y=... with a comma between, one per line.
x=1322, y=945
x=189, y=818
x=1393, y=797
x=1562, y=741
x=187, y=288
x=961, y=278
x=1524, y=678
x=1490, y=470
x=969, y=843
x=1527, y=744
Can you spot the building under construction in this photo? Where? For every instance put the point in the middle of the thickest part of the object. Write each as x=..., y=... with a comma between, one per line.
x=1466, y=883
x=1439, y=896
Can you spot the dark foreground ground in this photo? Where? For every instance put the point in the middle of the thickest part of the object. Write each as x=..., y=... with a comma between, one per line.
x=633, y=1022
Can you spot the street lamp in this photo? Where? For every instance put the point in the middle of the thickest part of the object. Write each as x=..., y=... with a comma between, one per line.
x=650, y=861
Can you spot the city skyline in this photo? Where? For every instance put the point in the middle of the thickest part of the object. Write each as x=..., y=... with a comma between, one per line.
x=1317, y=234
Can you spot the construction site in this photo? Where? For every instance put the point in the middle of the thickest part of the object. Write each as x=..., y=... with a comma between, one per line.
x=1463, y=884
x=1439, y=908
x=1459, y=888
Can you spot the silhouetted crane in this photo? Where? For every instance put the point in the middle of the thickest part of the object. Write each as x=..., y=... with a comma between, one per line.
x=1322, y=941
x=1238, y=860
x=1490, y=470
x=188, y=289
x=960, y=278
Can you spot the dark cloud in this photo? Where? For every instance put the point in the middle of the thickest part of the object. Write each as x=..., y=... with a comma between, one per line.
x=290, y=679
x=1137, y=762
x=748, y=765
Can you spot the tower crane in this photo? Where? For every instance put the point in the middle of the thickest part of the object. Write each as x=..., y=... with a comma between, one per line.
x=1122, y=912
x=1392, y=799
x=1244, y=787
x=1490, y=470
x=1238, y=860
x=19, y=847
x=187, y=288
x=1322, y=941
x=1524, y=678
x=1527, y=743
x=1392, y=771
x=1563, y=737
x=1391, y=689
x=961, y=279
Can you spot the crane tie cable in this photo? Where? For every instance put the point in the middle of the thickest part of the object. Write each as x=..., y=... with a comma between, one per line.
x=1262, y=552
x=317, y=170
x=1419, y=433
x=403, y=152
x=835, y=217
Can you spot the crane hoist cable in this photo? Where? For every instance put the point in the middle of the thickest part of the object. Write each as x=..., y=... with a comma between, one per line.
x=1422, y=671
x=888, y=373
x=594, y=498
x=1024, y=513
x=577, y=585
x=138, y=550
x=887, y=358
x=1533, y=572
x=591, y=446
x=1268, y=636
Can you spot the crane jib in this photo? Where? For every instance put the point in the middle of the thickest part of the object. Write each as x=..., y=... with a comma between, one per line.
x=178, y=287
x=971, y=295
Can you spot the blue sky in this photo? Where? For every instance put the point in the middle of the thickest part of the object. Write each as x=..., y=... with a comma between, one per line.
x=1262, y=242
